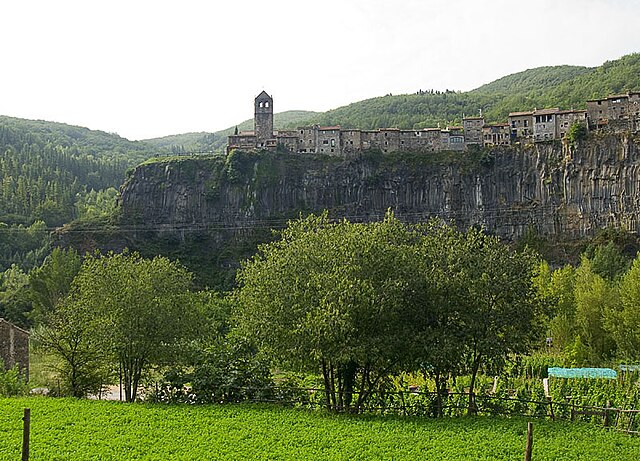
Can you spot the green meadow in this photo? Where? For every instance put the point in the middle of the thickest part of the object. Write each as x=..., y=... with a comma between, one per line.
x=69, y=429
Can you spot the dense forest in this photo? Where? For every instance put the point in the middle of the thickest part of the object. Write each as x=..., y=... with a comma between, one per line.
x=51, y=174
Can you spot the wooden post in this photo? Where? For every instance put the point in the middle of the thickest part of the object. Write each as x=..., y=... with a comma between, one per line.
x=553, y=416
x=25, y=434
x=529, y=448
x=606, y=414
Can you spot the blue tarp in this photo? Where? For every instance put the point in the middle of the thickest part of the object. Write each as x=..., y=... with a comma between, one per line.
x=557, y=372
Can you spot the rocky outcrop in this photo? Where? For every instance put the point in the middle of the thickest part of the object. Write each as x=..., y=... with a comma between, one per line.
x=552, y=188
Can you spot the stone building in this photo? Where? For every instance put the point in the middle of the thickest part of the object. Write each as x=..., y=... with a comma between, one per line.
x=544, y=124
x=473, y=133
x=14, y=347
x=263, y=119
x=328, y=140
x=521, y=124
x=496, y=135
x=566, y=118
x=616, y=112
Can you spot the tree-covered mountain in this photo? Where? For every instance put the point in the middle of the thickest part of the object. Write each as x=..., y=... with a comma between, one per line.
x=52, y=173
x=559, y=86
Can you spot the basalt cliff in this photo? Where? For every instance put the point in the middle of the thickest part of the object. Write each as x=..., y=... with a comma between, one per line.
x=211, y=212
x=552, y=188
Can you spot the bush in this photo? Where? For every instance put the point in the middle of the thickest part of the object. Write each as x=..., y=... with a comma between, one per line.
x=12, y=382
x=230, y=371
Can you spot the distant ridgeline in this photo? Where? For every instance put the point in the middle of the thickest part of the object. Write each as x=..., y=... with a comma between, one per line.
x=614, y=113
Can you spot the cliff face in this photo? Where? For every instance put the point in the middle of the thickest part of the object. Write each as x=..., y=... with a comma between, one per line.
x=551, y=188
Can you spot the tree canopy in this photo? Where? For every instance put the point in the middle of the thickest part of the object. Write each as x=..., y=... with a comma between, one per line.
x=358, y=302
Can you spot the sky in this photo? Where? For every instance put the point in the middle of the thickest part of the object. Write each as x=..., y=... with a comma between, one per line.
x=146, y=69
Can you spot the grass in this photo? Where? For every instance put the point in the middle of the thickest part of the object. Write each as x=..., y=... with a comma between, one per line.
x=67, y=429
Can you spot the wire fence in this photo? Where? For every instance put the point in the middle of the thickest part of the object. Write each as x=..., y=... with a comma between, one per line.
x=429, y=404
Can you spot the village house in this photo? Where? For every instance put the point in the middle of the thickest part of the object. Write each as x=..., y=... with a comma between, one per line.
x=566, y=118
x=616, y=112
x=496, y=135
x=473, y=130
x=544, y=124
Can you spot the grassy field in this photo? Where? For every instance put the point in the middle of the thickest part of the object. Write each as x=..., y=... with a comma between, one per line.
x=66, y=429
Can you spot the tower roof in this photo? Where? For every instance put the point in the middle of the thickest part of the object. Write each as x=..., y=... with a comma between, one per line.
x=263, y=94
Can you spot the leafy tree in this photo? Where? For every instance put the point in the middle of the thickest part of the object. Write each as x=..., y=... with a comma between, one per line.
x=75, y=336
x=135, y=311
x=623, y=321
x=577, y=133
x=437, y=338
x=500, y=308
x=594, y=296
x=143, y=304
x=557, y=289
x=51, y=282
x=607, y=260
x=14, y=296
x=328, y=297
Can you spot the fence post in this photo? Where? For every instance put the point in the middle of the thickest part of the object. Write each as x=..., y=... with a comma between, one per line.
x=606, y=414
x=529, y=448
x=550, y=401
x=25, y=433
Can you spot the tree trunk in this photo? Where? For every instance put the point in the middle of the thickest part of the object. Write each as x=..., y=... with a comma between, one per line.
x=473, y=409
x=348, y=379
x=327, y=384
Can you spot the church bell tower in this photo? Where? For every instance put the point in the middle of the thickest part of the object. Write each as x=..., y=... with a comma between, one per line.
x=263, y=118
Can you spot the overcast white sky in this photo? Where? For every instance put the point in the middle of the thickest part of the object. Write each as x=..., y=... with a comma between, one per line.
x=147, y=69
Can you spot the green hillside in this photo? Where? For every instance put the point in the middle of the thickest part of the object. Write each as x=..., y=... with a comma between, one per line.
x=52, y=173
x=560, y=86
x=216, y=142
x=533, y=79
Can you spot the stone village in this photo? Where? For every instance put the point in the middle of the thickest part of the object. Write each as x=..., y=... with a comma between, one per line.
x=616, y=113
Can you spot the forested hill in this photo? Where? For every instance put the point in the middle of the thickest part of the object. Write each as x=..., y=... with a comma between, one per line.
x=51, y=174
x=216, y=142
x=551, y=86
x=560, y=86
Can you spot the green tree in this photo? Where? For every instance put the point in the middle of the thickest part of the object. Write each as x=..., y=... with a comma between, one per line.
x=51, y=282
x=557, y=289
x=594, y=296
x=15, y=304
x=577, y=132
x=437, y=337
x=74, y=335
x=500, y=309
x=608, y=261
x=136, y=311
x=329, y=297
x=623, y=321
